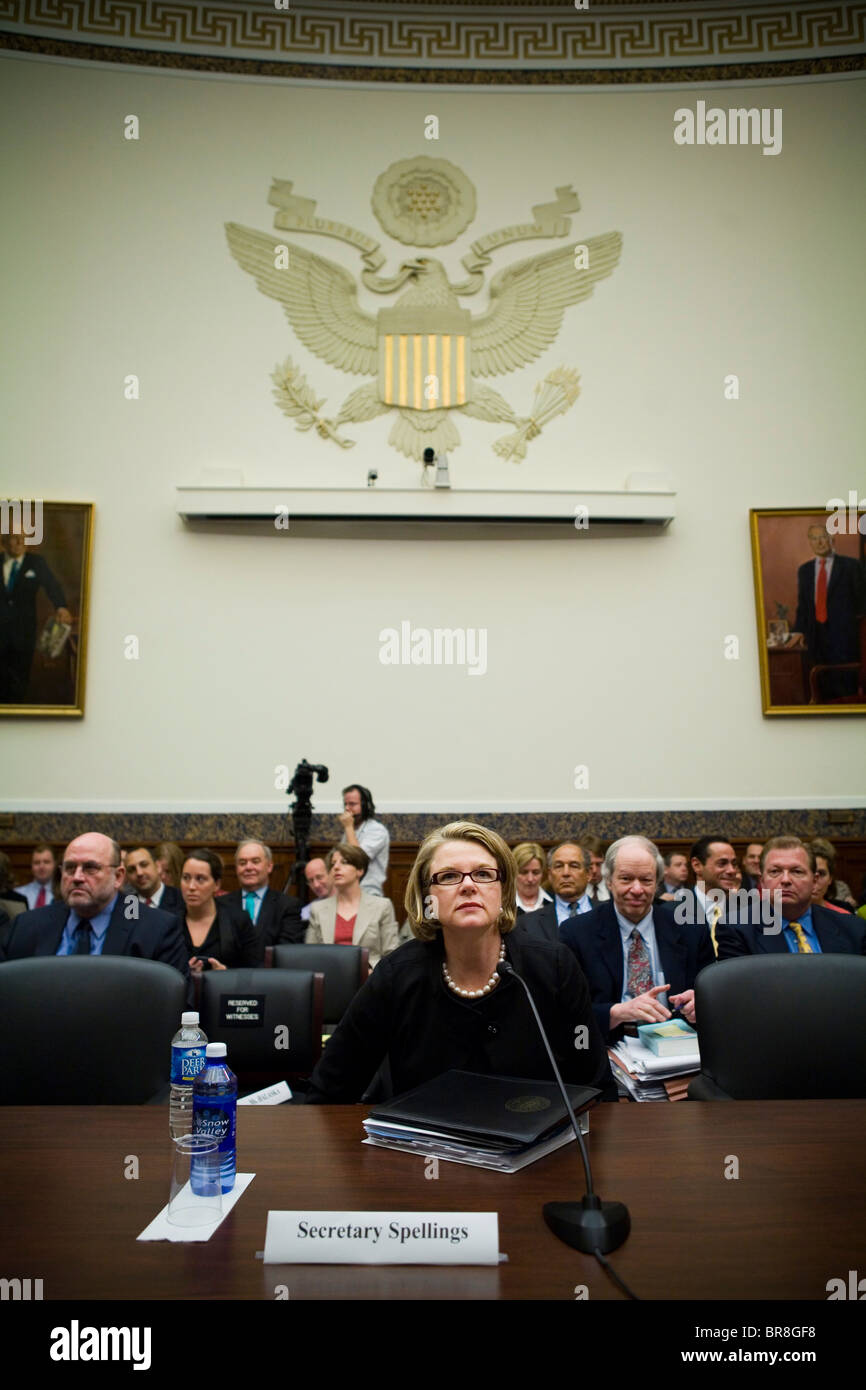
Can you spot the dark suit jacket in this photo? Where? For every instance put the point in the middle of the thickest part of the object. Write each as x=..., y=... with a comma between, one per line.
x=279, y=918
x=836, y=933
x=596, y=942
x=232, y=940
x=405, y=1012
x=155, y=935
x=542, y=923
x=18, y=608
x=171, y=901
x=837, y=640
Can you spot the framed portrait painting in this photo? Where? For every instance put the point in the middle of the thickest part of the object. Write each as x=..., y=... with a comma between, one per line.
x=810, y=599
x=45, y=550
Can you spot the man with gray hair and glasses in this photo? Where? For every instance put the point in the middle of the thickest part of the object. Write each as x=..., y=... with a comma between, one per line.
x=93, y=918
x=631, y=949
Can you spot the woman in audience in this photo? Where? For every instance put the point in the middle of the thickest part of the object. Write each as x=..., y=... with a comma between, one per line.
x=829, y=891
x=440, y=1003
x=529, y=860
x=168, y=858
x=351, y=917
x=218, y=937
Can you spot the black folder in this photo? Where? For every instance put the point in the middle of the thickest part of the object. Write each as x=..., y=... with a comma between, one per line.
x=496, y=1111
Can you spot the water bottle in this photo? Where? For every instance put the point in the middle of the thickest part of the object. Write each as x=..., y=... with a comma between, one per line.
x=187, y=1059
x=214, y=1110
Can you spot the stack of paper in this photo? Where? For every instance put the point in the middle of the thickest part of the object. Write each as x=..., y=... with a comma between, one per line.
x=499, y=1122
x=647, y=1077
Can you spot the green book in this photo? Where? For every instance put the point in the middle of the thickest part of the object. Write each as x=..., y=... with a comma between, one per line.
x=673, y=1039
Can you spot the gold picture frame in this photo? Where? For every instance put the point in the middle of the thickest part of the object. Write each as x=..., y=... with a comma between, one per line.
x=45, y=563
x=820, y=667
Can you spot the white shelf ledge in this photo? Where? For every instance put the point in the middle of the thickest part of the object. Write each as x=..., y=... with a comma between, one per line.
x=233, y=502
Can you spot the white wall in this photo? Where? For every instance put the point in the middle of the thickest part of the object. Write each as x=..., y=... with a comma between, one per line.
x=604, y=651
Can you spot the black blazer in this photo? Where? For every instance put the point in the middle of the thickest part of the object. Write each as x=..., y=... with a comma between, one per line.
x=279, y=918
x=846, y=599
x=171, y=901
x=18, y=608
x=238, y=942
x=406, y=1012
x=541, y=923
x=596, y=942
x=836, y=933
x=153, y=935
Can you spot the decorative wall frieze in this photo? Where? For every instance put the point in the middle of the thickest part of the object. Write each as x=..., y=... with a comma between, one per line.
x=516, y=43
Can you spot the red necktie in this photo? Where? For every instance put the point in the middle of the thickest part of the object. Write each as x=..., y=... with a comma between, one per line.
x=821, y=592
x=148, y=902
x=40, y=897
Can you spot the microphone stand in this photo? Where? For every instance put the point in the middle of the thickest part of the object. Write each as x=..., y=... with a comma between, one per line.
x=590, y=1225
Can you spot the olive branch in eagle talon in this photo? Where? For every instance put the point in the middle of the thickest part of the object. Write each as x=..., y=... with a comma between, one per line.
x=524, y=316
x=297, y=399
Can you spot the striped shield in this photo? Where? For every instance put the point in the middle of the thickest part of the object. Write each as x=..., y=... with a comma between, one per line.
x=424, y=358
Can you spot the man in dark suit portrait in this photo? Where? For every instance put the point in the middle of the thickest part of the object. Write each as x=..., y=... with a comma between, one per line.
x=804, y=927
x=831, y=596
x=568, y=868
x=631, y=949
x=276, y=916
x=22, y=575
x=143, y=878
x=92, y=917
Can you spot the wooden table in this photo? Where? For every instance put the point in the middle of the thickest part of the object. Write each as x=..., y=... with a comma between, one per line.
x=794, y=1218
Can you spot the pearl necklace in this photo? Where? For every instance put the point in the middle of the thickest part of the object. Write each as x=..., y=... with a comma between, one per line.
x=474, y=993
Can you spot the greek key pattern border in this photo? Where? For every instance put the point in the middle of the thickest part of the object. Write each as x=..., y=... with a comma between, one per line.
x=374, y=42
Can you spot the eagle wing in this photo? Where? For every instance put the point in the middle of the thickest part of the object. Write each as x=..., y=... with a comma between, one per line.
x=319, y=297
x=527, y=301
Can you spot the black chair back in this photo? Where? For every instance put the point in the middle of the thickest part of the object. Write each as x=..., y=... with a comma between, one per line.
x=345, y=969
x=780, y=1027
x=87, y=1030
x=269, y=1020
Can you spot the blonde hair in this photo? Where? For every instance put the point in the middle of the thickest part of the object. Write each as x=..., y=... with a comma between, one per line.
x=525, y=853
x=418, y=887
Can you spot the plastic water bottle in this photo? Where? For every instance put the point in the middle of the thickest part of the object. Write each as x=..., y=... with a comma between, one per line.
x=214, y=1110
x=187, y=1059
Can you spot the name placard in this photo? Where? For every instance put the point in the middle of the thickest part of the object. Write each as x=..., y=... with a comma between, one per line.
x=382, y=1238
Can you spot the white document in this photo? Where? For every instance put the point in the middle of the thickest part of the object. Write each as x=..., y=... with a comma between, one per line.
x=271, y=1095
x=161, y=1228
x=382, y=1237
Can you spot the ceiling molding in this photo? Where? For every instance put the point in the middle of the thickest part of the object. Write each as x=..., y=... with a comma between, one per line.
x=516, y=43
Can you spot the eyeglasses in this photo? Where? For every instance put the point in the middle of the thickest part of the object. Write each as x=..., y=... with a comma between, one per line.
x=450, y=878
x=89, y=869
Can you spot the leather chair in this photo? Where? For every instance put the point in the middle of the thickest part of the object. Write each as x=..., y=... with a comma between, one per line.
x=245, y=1008
x=782, y=1028
x=345, y=969
x=87, y=1030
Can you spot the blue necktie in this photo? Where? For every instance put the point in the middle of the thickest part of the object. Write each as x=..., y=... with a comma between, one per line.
x=83, y=938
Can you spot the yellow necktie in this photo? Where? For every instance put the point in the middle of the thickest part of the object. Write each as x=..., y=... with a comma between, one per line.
x=716, y=912
x=803, y=947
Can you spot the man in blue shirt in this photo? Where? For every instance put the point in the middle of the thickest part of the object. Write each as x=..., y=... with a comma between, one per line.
x=92, y=917
x=805, y=928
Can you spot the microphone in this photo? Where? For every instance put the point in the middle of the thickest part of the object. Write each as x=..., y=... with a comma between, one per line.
x=590, y=1225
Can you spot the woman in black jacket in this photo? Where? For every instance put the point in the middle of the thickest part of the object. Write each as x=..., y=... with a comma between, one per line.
x=439, y=1002
x=218, y=937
